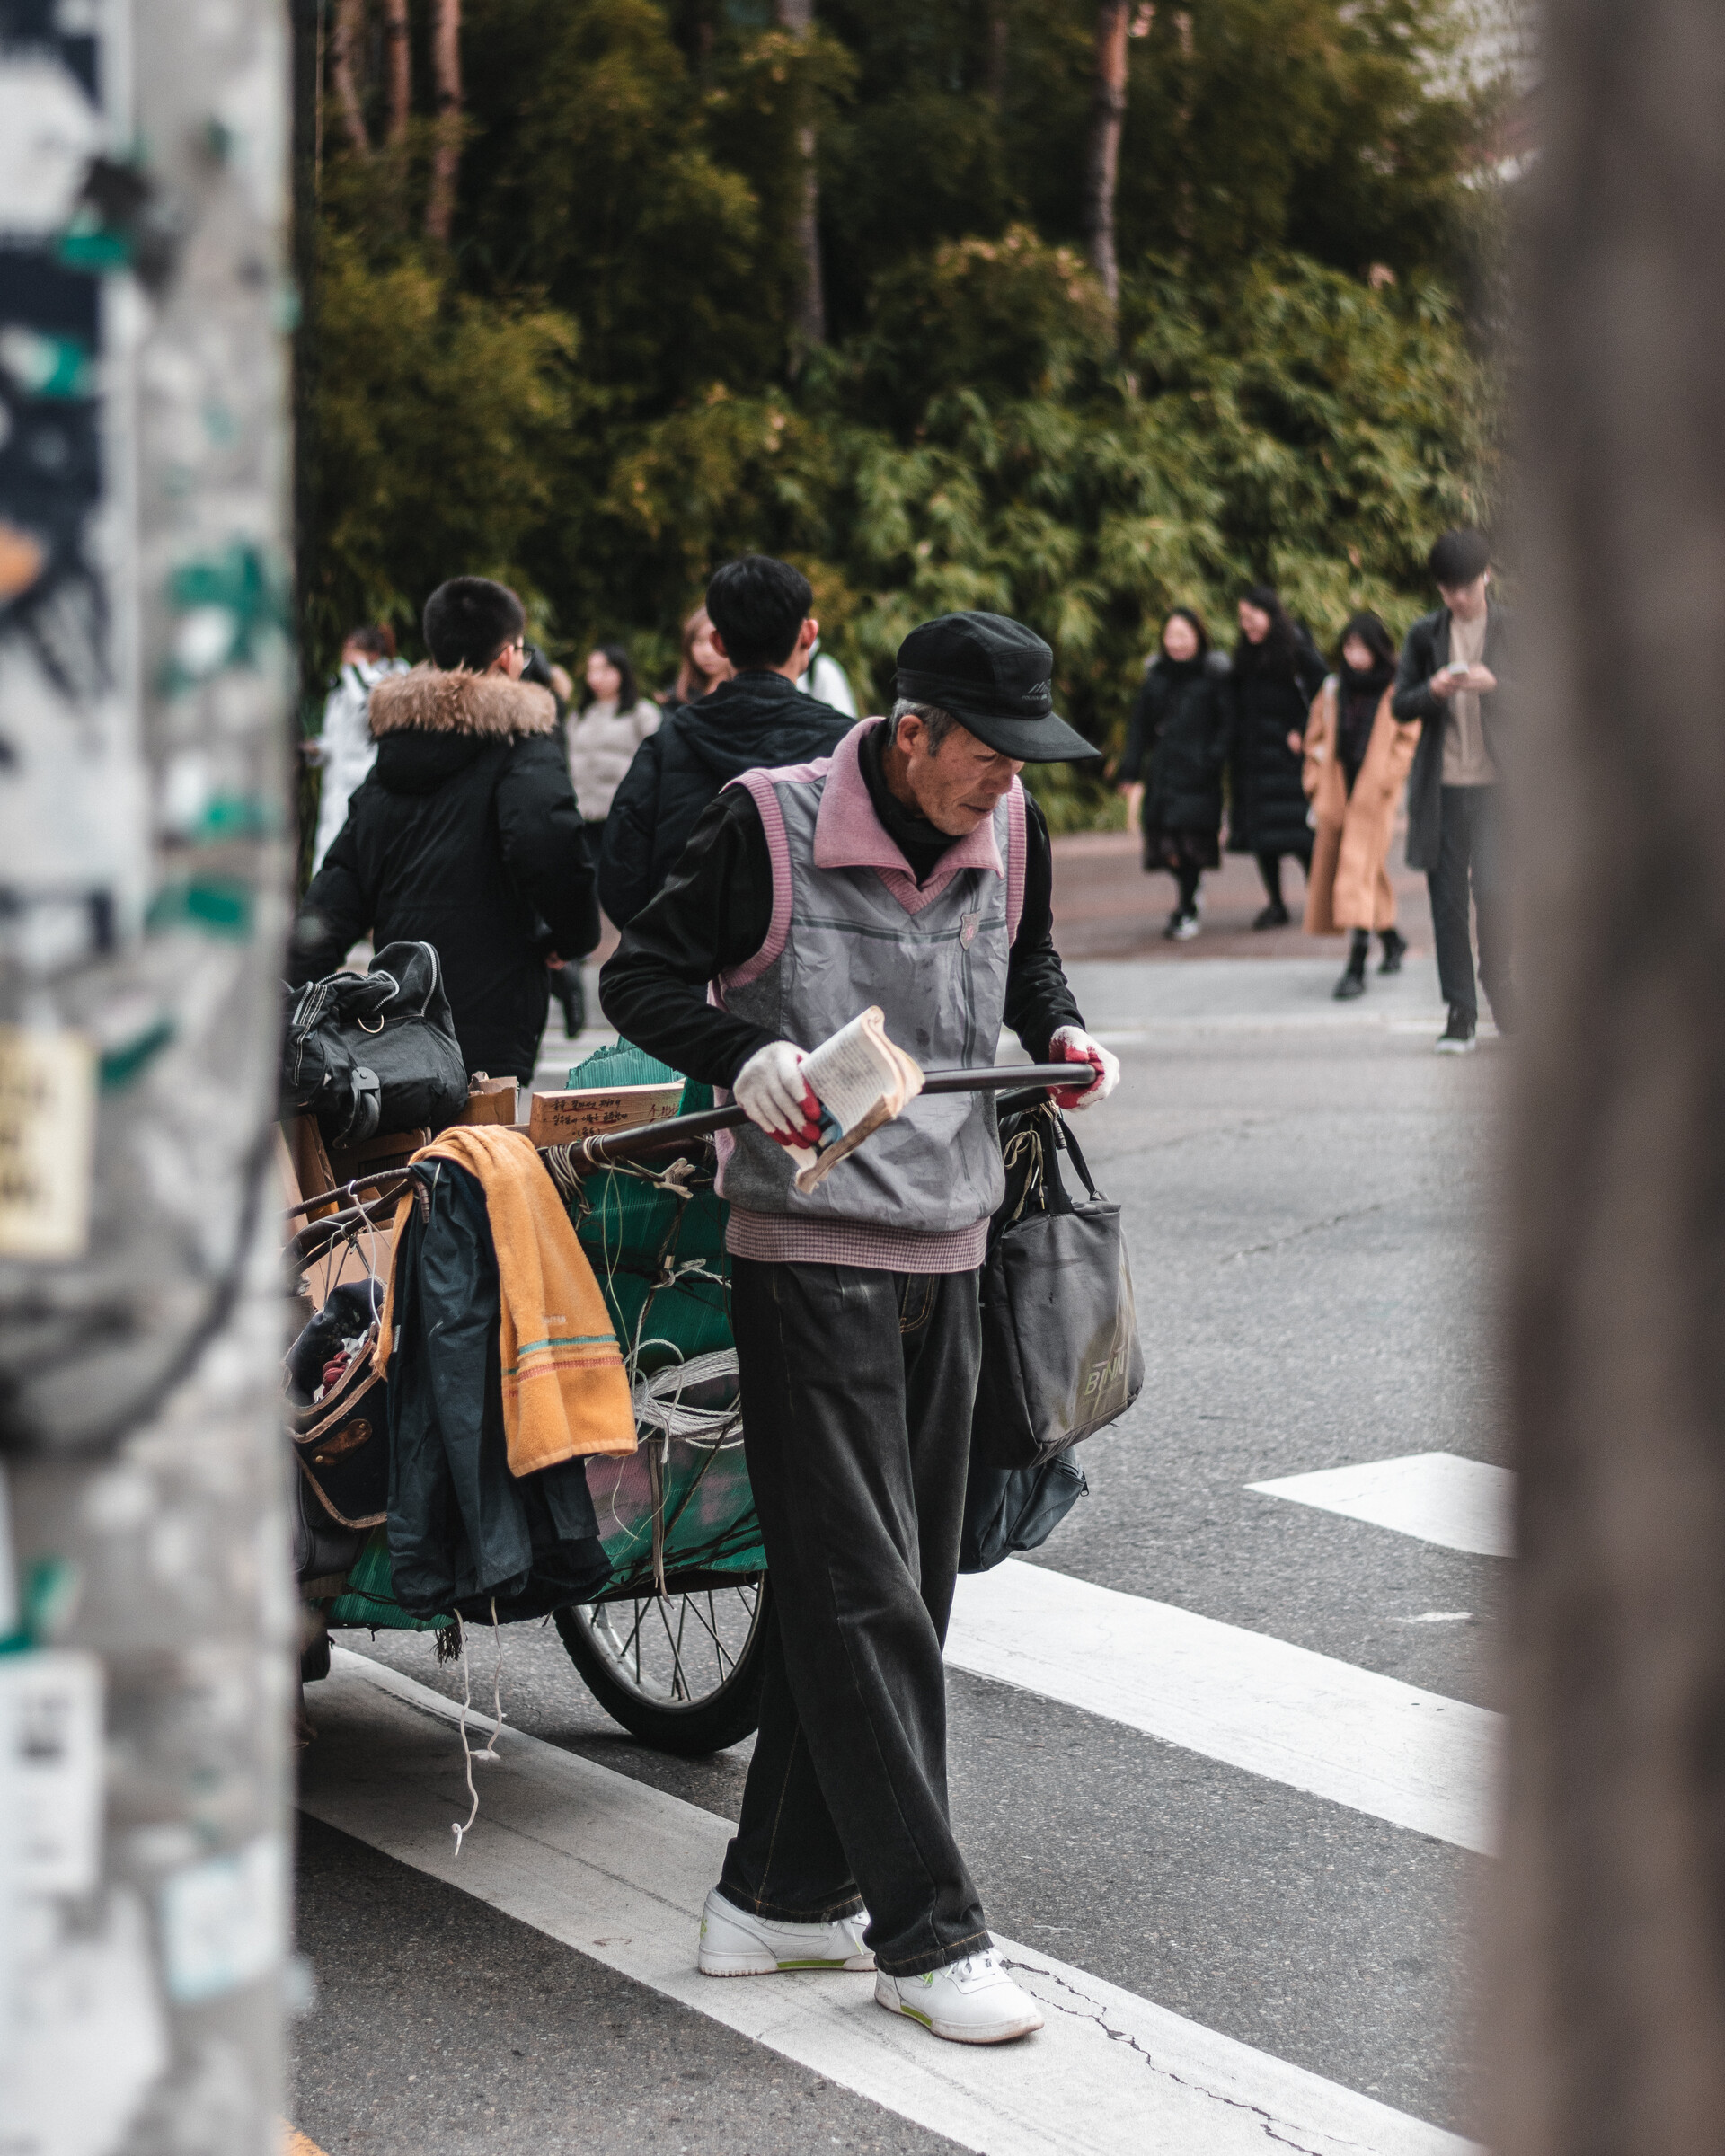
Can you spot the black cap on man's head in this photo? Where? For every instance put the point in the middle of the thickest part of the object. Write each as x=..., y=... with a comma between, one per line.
x=993, y=674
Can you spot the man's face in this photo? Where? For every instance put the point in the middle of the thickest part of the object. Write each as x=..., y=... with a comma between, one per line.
x=1466, y=602
x=512, y=659
x=958, y=786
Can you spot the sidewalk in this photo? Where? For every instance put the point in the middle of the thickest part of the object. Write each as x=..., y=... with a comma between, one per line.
x=1106, y=908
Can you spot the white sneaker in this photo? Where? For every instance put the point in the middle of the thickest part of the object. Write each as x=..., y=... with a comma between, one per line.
x=1186, y=927
x=969, y=2002
x=733, y=1943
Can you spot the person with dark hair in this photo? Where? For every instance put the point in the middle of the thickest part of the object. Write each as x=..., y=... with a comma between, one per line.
x=760, y=624
x=602, y=737
x=1356, y=761
x=344, y=752
x=922, y=880
x=1452, y=677
x=1171, y=768
x=702, y=667
x=466, y=836
x=1275, y=674
x=614, y=721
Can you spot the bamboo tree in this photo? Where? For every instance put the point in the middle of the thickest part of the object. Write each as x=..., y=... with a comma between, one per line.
x=809, y=322
x=446, y=153
x=398, y=64
x=344, y=49
x=1102, y=160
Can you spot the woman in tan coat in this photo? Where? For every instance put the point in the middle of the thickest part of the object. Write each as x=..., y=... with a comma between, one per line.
x=1356, y=762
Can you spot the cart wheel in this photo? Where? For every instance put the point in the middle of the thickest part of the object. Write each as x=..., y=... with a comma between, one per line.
x=682, y=1673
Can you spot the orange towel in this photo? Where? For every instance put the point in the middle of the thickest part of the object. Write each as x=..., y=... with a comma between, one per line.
x=564, y=1391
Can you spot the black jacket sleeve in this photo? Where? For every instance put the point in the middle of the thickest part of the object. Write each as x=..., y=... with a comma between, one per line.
x=1140, y=738
x=626, y=859
x=1411, y=697
x=715, y=913
x=1039, y=1002
x=337, y=910
x=712, y=913
x=544, y=842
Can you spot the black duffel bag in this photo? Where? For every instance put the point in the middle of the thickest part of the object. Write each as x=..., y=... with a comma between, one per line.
x=373, y=1052
x=1060, y=1353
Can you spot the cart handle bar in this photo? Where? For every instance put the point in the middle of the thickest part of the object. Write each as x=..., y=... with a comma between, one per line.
x=648, y=1138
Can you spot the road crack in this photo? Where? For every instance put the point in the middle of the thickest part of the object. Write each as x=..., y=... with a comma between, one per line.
x=1314, y=1228
x=1086, y=2009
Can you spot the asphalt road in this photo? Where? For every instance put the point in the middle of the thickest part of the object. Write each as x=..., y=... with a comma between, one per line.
x=1305, y=1190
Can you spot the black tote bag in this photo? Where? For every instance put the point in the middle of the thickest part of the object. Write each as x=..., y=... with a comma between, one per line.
x=1060, y=1353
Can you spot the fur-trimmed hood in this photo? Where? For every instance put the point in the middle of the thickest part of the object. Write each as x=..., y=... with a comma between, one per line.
x=488, y=706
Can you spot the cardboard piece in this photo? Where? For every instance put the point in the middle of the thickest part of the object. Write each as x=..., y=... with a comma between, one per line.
x=559, y=1119
x=489, y=1100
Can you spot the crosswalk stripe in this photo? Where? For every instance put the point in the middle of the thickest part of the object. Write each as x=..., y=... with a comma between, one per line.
x=1438, y=1496
x=618, y=1871
x=1367, y=1741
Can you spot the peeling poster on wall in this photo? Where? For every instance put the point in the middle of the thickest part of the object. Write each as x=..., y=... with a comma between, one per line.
x=73, y=222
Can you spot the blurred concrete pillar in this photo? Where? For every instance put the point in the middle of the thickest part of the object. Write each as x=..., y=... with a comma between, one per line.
x=1610, y=2014
x=146, y=1674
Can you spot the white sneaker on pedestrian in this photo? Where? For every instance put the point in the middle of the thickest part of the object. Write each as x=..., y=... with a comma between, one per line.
x=1185, y=927
x=733, y=1943
x=969, y=2002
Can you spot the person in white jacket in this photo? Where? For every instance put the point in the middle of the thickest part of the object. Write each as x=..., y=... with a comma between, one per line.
x=344, y=752
x=827, y=682
x=604, y=737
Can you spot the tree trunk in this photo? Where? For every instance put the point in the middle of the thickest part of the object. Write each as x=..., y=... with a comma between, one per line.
x=445, y=151
x=1610, y=2012
x=140, y=1304
x=1102, y=161
x=809, y=324
x=398, y=60
x=995, y=63
x=344, y=52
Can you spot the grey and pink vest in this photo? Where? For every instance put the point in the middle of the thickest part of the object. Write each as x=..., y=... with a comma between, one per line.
x=850, y=928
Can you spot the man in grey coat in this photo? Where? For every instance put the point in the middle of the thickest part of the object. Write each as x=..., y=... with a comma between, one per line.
x=1452, y=677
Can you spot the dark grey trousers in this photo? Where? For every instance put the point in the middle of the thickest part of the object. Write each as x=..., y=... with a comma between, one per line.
x=1469, y=864
x=857, y=1391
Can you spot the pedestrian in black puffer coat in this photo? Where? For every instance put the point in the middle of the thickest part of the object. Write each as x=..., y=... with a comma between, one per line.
x=1277, y=672
x=1176, y=746
x=466, y=836
x=757, y=719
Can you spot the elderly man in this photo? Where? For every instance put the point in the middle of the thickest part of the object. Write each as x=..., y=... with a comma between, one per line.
x=910, y=870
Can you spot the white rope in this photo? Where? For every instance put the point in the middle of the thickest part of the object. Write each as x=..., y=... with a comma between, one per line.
x=467, y=1750
x=660, y=1405
x=468, y=1755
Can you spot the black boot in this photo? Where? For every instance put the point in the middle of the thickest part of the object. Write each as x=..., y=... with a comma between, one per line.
x=1353, y=982
x=1275, y=915
x=1395, y=949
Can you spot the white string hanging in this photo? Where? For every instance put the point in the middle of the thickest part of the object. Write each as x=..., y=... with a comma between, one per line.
x=468, y=1755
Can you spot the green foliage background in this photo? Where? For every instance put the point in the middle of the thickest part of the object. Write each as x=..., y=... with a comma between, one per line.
x=592, y=393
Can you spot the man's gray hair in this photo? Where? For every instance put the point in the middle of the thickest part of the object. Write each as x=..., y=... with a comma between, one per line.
x=940, y=723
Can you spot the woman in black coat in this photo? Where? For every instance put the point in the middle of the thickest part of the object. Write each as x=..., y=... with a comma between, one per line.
x=1277, y=672
x=1176, y=746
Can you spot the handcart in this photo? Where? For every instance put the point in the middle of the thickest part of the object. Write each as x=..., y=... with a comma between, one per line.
x=672, y=1645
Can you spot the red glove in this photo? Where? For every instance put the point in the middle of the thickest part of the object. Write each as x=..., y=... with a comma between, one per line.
x=1072, y=1044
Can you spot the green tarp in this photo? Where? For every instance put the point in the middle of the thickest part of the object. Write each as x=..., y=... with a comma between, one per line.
x=657, y=1247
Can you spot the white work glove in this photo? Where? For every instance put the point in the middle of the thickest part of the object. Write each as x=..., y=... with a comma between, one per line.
x=772, y=1093
x=1072, y=1044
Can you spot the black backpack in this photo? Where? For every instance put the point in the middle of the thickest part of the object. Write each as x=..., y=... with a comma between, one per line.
x=369, y=1052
